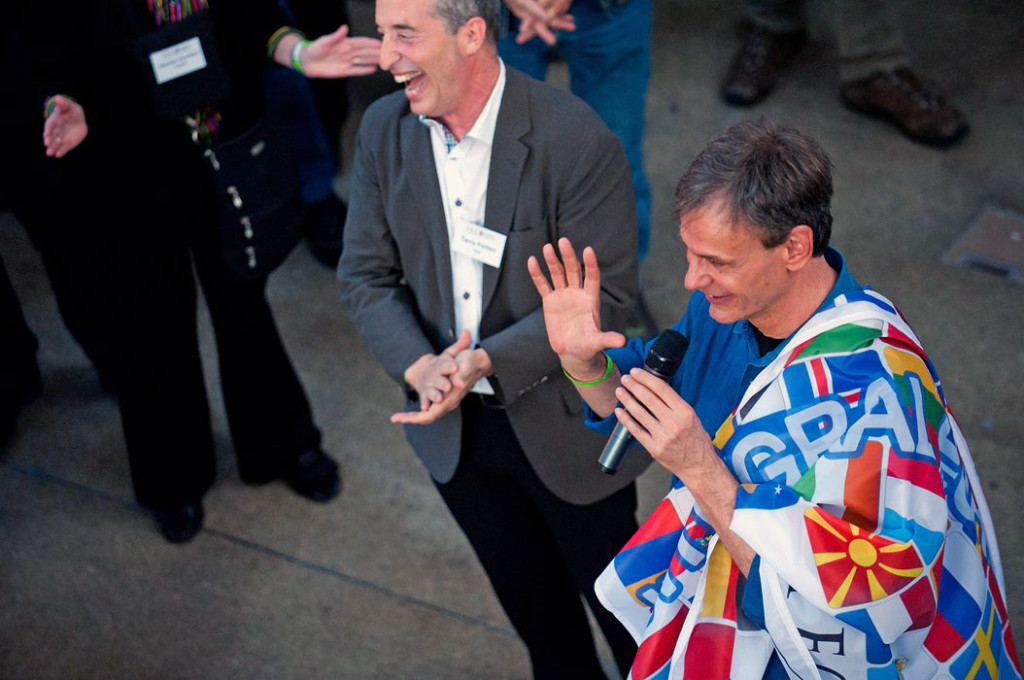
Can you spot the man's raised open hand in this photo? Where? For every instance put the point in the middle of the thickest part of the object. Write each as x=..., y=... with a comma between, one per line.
x=572, y=308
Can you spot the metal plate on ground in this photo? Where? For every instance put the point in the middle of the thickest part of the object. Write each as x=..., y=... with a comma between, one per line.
x=993, y=244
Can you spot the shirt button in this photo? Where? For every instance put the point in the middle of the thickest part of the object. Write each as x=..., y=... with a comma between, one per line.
x=465, y=296
x=458, y=202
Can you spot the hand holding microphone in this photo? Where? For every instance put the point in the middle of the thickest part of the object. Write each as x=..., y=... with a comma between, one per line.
x=572, y=316
x=663, y=360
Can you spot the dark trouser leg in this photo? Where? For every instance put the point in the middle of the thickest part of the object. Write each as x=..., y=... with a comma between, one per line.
x=125, y=289
x=84, y=308
x=19, y=372
x=80, y=261
x=522, y=535
x=161, y=391
x=589, y=538
x=18, y=343
x=269, y=416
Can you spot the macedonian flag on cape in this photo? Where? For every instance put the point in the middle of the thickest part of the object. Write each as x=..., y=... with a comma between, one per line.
x=859, y=495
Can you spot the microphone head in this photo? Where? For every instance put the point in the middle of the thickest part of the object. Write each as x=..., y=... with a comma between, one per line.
x=666, y=353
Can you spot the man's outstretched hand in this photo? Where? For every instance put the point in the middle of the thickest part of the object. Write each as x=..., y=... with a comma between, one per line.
x=572, y=309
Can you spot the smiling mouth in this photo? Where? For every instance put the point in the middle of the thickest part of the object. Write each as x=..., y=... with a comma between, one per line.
x=404, y=78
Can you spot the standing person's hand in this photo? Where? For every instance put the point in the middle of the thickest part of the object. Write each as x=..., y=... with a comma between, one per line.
x=65, y=127
x=541, y=18
x=335, y=55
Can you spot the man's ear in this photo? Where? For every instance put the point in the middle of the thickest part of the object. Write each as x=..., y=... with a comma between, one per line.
x=473, y=35
x=799, y=247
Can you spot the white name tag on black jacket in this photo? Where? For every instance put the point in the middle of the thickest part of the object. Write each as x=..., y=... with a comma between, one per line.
x=181, y=66
x=178, y=60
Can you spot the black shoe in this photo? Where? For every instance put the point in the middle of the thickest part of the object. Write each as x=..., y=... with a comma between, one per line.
x=314, y=475
x=180, y=524
x=324, y=226
x=755, y=68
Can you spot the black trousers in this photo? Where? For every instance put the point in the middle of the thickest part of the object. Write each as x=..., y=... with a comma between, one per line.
x=18, y=343
x=540, y=552
x=49, y=199
x=162, y=392
x=18, y=367
x=134, y=273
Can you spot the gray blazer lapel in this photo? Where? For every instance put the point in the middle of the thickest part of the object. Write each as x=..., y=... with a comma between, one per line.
x=508, y=157
x=420, y=173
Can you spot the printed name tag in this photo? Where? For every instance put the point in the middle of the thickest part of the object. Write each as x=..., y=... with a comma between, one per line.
x=479, y=242
x=178, y=60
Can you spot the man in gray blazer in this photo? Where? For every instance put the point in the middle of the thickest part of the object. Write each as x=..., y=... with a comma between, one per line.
x=457, y=181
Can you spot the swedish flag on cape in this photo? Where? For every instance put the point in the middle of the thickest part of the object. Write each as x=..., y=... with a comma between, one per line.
x=859, y=495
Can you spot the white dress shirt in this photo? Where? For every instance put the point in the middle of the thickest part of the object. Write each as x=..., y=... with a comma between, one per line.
x=462, y=172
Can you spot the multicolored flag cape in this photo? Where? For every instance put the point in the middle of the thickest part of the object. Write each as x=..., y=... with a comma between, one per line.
x=859, y=495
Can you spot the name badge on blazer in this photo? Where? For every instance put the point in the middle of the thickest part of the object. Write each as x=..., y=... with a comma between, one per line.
x=479, y=242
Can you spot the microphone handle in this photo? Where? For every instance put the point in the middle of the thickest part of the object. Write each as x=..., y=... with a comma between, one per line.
x=615, y=450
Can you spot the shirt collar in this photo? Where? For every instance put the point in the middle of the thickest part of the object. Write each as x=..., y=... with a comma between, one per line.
x=485, y=124
x=845, y=283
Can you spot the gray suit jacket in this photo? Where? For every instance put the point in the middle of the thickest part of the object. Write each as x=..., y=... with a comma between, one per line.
x=556, y=170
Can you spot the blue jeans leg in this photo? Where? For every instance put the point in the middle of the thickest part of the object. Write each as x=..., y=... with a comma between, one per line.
x=609, y=59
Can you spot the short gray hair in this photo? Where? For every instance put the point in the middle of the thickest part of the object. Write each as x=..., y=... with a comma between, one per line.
x=455, y=13
x=768, y=176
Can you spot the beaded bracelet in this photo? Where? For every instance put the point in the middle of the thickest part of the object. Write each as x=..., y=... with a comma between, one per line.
x=280, y=33
x=588, y=383
x=297, y=56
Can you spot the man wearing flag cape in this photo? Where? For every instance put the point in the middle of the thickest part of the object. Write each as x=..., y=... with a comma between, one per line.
x=825, y=518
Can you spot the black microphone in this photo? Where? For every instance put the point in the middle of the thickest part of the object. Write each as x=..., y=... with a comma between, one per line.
x=662, y=360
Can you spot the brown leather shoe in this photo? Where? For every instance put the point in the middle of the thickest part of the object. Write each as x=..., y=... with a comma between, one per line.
x=920, y=113
x=755, y=68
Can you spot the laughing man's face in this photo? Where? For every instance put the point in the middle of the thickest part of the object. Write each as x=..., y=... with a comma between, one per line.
x=421, y=55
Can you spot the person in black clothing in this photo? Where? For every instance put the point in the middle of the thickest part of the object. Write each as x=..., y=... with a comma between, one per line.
x=20, y=381
x=19, y=371
x=146, y=182
x=28, y=180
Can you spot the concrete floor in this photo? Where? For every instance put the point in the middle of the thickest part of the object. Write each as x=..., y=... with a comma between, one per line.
x=380, y=583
